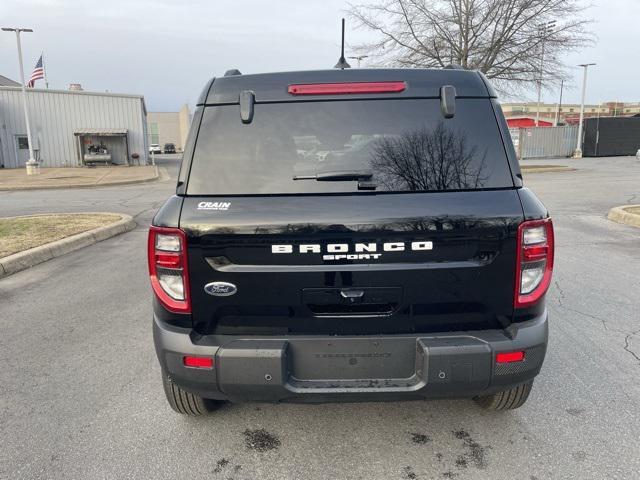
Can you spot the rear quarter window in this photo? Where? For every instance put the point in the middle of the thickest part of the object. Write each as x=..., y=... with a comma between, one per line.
x=406, y=145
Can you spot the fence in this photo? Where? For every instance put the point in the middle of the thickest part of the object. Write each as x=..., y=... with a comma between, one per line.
x=544, y=142
x=609, y=136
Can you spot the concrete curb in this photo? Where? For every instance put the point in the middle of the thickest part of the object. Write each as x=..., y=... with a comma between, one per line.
x=28, y=258
x=620, y=215
x=533, y=169
x=155, y=177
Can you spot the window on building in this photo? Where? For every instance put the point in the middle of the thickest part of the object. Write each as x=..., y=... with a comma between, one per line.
x=23, y=143
x=571, y=109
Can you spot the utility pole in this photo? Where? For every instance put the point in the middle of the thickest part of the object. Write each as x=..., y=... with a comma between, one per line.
x=555, y=123
x=359, y=58
x=578, y=151
x=32, y=165
x=545, y=30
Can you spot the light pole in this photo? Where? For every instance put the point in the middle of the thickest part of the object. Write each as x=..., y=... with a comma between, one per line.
x=359, y=58
x=32, y=165
x=544, y=29
x=578, y=152
x=555, y=124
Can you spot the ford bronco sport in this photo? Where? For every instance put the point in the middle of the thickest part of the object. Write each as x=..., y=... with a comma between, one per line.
x=348, y=235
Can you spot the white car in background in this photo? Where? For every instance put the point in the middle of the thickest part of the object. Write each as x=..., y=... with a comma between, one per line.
x=155, y=148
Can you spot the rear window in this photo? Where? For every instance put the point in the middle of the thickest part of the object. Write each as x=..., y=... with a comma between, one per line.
x=398, y=146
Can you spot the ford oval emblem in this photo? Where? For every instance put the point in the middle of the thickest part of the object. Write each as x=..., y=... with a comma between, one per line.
x=220, y=289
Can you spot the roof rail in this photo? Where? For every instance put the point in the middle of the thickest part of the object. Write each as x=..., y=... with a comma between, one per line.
x=232, y=72
x=454, y=66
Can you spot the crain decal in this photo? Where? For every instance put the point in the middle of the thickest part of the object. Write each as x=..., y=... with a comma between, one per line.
x=214, y=205
x=359, y=251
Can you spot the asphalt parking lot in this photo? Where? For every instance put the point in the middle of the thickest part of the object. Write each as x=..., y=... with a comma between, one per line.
x=81, y=396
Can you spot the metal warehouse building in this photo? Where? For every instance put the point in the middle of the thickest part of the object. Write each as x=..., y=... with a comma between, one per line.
x=72, y=128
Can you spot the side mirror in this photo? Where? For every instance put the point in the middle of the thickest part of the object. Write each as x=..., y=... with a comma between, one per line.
x=247, y=99
x=448, y=100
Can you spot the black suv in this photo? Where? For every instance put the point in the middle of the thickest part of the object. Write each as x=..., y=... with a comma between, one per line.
x=350, y=235
x=169, y=148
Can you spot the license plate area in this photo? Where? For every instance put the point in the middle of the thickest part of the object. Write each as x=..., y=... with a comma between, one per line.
x=352, y=359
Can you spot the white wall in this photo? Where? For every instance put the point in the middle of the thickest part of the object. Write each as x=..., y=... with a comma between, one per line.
x=56, y=114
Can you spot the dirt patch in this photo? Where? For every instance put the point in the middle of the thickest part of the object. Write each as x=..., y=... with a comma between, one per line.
x=409, y=473
x=579, y=456
x=22, y=233
x=260, y=440
x=476, y=453
x=420, y=438
x=220, y=464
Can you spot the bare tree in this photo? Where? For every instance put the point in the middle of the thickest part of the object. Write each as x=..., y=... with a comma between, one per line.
x=428, y=159
x=504, y=39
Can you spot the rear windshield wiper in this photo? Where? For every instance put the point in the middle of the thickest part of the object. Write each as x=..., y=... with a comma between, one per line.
x=343, y=176
x=363, y=178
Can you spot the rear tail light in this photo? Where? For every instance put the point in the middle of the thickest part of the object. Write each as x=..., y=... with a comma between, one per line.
x=534, y=263
x=167, y=254
x=197, y=362
x=346, y=88
x=509, y=357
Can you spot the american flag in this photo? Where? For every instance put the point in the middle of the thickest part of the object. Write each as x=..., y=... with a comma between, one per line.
x=38, y=73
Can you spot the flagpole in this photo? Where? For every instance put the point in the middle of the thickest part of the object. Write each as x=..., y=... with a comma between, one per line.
x=32, y=165
x=44, y=70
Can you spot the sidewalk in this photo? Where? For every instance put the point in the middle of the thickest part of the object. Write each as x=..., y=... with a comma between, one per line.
x=70, y=177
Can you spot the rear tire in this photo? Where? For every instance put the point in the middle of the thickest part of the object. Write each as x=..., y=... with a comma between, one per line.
x=507, y=399
x=186, y=403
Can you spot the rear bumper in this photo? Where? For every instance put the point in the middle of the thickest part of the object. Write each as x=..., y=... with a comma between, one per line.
x=323, y=368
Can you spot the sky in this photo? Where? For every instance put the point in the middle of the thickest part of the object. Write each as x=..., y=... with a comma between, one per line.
x=166, y=50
